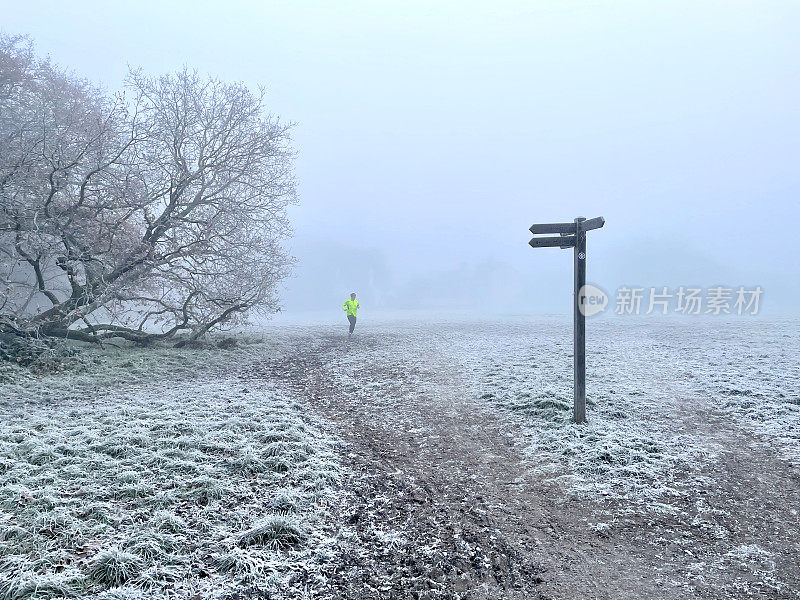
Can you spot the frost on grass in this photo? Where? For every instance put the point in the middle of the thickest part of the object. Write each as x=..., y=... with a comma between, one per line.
x=644, y=381
x=113, y=567
x=118, y=483
x=276, y=531
x=753, y=371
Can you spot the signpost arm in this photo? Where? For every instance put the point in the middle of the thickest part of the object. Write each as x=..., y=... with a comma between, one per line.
x=579, y=324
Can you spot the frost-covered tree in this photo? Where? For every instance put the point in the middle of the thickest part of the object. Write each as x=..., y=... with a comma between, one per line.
x=137, y=215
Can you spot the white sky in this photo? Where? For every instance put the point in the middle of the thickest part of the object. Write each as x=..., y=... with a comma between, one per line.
x=432, y=134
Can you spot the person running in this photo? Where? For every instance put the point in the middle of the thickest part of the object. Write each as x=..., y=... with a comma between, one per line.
x=351, y=306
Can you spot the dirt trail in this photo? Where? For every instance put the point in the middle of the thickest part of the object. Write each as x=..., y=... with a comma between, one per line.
x=444, y=506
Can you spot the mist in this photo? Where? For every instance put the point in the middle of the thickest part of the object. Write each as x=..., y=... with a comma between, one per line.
x=430, y=136
x=273, y=323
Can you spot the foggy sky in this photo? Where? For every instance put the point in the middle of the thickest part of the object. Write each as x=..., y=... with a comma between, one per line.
x=432, y=134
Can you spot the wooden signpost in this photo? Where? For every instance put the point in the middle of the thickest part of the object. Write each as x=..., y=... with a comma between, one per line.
x=573, y=235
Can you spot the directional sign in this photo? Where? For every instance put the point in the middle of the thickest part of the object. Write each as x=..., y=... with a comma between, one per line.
x=573, y=235
x=553, y=228
x=566, y=241
x=595, y=223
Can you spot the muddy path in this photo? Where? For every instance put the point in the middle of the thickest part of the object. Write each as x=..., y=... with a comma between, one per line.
x=442, y=503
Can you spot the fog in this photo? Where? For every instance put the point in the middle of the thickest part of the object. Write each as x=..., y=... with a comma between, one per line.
x=430, y=136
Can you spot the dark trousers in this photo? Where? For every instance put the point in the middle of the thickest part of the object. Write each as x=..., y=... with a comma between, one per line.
x=352, y=319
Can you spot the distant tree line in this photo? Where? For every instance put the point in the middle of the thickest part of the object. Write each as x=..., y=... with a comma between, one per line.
x=140, y=215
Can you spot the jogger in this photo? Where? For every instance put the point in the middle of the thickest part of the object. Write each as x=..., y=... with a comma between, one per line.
x=351, y=306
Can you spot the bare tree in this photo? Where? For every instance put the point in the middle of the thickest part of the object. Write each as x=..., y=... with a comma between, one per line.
x=137, y=215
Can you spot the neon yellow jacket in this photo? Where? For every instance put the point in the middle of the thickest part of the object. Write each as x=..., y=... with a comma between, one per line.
x=351, y=306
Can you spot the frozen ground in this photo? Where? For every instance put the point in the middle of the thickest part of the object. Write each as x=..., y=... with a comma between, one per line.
x=424, y=459
x=158, y=473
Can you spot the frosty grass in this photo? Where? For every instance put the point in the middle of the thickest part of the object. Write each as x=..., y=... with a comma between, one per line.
x=155, y=473
x=647, y=380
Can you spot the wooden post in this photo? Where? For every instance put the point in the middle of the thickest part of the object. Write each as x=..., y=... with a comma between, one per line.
x=579, y=324
x=573, y=235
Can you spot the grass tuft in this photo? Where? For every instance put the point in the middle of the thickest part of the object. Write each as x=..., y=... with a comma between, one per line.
x=241, y=564
x=152, y=545
x=114, y=567
x=203, y=489
x=167, y=522
x=14, y=532
x=27, y=586
x=275, y=532
x=285, y=502
x=157, y=575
